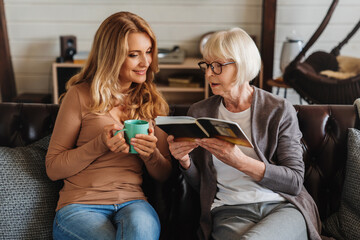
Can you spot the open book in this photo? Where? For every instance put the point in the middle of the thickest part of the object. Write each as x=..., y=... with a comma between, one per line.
x=185, y=128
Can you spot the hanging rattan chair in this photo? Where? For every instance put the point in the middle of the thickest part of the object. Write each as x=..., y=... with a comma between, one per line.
x=312, y=79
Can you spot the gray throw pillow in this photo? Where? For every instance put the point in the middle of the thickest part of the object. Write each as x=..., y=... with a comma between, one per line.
x=27, y=196
x=345, y=223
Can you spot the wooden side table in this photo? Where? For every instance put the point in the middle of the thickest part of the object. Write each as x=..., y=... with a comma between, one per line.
x=279, y=83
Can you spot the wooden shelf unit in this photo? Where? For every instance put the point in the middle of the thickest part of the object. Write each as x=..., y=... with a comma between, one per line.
x=62, y=72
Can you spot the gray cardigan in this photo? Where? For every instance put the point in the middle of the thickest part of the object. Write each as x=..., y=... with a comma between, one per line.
x=276, y=139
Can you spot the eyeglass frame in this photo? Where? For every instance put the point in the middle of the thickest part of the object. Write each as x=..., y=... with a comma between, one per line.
x=212, y=67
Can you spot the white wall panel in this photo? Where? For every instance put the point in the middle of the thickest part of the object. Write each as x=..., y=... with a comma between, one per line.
x=38, y=83
x=32, y=65
x=137, y=2
x=34, y=27
x=305, y=16
x=309, y=14
x=195, y=13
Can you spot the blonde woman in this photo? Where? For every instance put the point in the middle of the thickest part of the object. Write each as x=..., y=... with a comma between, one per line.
x=247, y=193
x=102, y=196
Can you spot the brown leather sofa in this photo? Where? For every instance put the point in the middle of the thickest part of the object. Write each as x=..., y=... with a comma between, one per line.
x=324, y=129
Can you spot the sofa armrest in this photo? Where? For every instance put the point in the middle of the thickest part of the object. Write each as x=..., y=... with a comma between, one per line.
x=324, y=142
x=25, y=123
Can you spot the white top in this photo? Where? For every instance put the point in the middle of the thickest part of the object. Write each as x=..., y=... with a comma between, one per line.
x=234, y=186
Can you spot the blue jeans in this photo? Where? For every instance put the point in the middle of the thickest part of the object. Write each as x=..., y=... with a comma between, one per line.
x=131, y=220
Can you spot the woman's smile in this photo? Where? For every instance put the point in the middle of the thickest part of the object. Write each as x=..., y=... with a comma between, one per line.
x=140, y=72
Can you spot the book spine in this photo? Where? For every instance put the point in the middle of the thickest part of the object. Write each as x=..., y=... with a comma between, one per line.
x=202, y=128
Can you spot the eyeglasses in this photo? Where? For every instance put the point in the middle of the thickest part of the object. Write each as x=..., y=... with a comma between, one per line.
x=216, y=67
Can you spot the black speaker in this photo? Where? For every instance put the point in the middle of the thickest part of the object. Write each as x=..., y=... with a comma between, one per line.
x=67, y=47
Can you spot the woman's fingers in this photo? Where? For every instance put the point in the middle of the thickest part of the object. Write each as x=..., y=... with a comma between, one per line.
x=144, y=144
x=170, y=139
x=115, y=143
x=180, y=149
x=119, y=146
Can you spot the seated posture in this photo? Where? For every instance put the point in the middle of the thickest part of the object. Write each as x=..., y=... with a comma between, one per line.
x=102, y=196
x=246, y=193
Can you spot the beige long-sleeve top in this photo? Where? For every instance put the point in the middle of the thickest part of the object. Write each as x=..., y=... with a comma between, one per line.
x=93, y=174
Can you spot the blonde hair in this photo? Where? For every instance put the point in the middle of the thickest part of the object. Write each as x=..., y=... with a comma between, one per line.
x=236, y=45
x=102, y=70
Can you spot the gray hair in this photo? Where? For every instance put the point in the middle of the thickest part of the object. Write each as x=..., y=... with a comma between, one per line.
x=236, y=45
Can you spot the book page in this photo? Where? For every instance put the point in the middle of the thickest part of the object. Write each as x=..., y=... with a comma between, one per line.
x=183, y=128
x=160, y=120
x=225, y=130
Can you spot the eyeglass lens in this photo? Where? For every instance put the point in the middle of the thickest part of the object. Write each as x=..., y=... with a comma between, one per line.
x=215, y=67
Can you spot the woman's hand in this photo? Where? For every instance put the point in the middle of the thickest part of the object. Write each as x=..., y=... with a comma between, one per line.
x=144, y=144
x=226, y=152
x=181, y=150
x=231, y=155
x=115, y=143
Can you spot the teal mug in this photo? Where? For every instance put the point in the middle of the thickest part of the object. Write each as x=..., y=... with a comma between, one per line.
x=133, y=127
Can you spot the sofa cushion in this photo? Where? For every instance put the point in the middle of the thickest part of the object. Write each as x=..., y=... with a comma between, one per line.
x=342, y=224
x=27, y=196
